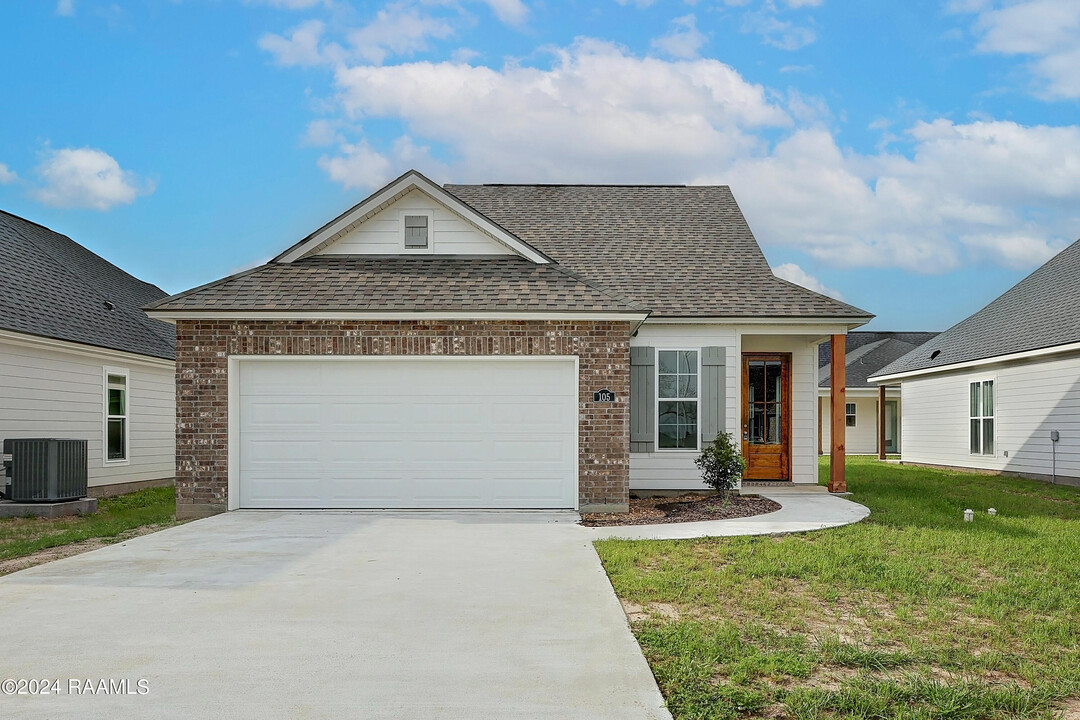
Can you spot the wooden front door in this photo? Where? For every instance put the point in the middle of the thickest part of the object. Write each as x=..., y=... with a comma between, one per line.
x=766, y=415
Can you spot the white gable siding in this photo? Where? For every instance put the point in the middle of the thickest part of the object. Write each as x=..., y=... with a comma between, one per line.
x=53, y=393
x=1030, y=399
x=381, y=234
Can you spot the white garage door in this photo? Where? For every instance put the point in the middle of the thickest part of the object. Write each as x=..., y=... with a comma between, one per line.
x=407, y=433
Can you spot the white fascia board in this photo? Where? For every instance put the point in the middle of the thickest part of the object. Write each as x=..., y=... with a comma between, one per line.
x=174, y=315
x=390, y=193
x=825, y=325
x=996, y=360
x=93, y=351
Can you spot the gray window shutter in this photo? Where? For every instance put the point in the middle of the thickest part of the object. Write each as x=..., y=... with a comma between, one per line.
x=713, y=392
x=642, y=399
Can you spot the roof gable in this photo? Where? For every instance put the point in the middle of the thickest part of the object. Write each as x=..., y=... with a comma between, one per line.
x=380, y=207
x=1039, y=312
x=56, y=288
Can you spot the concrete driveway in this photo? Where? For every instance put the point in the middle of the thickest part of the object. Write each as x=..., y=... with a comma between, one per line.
x=329, y=615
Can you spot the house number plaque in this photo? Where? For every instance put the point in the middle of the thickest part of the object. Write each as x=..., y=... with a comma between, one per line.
x=604, y=395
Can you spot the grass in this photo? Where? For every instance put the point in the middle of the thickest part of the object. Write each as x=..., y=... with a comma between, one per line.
x=115, y=517
x=910, y=614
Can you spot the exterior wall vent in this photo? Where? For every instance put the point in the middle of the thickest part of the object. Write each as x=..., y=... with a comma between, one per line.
x=44, y=469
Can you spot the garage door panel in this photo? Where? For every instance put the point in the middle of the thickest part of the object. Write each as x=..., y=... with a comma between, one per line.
x=408, y=433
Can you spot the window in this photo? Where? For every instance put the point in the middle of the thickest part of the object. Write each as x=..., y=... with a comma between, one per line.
x=416, y=232
x=849, y=412
x=677, y=399
x=116, y=415
x=981, y=436
x=765, y=402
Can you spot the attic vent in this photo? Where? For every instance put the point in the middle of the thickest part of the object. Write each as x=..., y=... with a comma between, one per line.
x=933, y=355
x=109, y=305
x=416, y=232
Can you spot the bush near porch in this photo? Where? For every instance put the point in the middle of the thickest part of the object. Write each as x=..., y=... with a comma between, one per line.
x=910, y=614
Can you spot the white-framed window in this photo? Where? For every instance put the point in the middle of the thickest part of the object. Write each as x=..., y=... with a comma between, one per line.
x=677, y=399
x=981, y=413
x=116, y=436
x=849, y=414
x=417, y=228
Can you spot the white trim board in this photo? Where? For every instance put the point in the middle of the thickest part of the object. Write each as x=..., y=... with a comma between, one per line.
x=93, y=351
x=997, y=359
x=396, y=189
x=174, y=315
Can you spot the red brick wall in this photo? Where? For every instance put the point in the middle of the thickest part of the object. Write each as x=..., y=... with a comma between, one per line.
x=203, y=349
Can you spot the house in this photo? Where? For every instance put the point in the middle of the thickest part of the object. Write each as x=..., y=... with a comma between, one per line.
x=80, y=359
x=867, y=352
x=497, y=346
x=1000, y=391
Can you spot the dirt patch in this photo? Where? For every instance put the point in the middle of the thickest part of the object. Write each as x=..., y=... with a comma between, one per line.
x=1071, y=709
x=62, y=551
x=684, y=508
x=637, y=613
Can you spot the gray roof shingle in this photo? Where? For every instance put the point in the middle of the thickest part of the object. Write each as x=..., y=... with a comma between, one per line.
x=857, y=338
x=53, y=287
x=1041, y=311
x=378, y=283
x=863, y=359
x=679, y=250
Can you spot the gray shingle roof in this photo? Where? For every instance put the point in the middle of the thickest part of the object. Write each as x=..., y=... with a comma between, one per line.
x=681, y=251
x=377, y=283
x=1041, y=311
x=857, y=338
x=863, y=359
x=53, y=287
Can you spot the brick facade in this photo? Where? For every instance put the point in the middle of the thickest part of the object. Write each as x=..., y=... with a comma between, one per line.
x=204, y=346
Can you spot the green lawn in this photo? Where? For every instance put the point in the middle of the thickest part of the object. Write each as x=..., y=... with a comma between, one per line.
x=115, y=517
x=910, y=614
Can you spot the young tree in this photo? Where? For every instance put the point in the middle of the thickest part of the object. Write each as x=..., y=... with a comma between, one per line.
x=721, y=463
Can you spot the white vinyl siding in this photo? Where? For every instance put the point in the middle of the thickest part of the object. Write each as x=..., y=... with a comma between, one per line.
x=383, y=233
x=861, y=439
x=48, y=392
x=1030, y=399
x=675, y=469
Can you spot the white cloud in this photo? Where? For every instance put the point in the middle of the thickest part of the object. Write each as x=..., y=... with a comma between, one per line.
x=1047, y=31
x=782, y=34
x=358, y=166
x=511, y=12
x=683, y=40
x=7, y=175
x=793, y=273
x=938, y=195
x=65, y=8
x=288, y=4
x=86, y=178
x=301, y=47
x=598, y=112
x=397, y=30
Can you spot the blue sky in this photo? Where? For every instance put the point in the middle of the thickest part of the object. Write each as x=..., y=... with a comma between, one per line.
x=914, y=158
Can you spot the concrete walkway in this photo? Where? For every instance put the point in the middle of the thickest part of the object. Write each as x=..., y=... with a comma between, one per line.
x=331, y=615
x=800, y=511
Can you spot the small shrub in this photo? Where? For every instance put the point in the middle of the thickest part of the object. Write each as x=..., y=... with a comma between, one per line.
x=721, y=463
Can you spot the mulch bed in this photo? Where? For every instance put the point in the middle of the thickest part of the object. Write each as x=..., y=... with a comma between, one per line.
x=684, y=508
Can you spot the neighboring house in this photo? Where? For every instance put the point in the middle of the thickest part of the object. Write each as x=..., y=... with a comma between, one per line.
x=867, y=352
x=994, y=391
x=505, y=346
x=80, y=359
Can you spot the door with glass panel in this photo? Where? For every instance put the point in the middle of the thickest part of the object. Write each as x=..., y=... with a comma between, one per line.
x=766, y=416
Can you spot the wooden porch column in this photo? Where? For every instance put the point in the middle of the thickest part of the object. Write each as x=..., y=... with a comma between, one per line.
x=838, y=382
x=880, y=422
x=819, y=441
